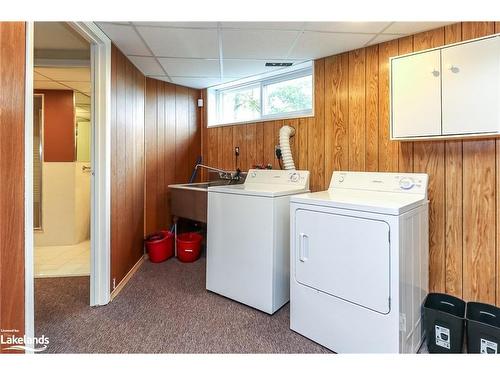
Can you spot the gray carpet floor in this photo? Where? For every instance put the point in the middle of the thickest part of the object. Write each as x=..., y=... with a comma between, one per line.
x=163, y=309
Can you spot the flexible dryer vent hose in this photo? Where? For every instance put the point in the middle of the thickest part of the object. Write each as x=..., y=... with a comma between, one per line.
x=286, y=153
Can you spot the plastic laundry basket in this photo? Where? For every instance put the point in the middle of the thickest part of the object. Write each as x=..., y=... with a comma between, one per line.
x=483, y=328
x=444, y=319
x=189, y=246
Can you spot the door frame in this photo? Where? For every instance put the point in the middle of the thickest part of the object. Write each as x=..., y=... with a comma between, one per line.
x=100, y=227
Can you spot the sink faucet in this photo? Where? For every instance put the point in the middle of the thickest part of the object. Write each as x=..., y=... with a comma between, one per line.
x=225, y=175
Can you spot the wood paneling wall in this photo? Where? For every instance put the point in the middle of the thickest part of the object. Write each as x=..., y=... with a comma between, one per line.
x=350, y=131
x=127, y=165
x=12, y=92
x=173, y=143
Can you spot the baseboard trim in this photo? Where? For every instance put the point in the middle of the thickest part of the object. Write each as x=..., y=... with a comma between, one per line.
x=128, y=276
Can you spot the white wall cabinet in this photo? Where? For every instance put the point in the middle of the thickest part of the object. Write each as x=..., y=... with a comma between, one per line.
x=416, y=95
x=447, y=92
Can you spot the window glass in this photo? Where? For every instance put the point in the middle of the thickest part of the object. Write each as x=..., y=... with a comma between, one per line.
x=288, y=96
x=285, y=93
x=242, y=104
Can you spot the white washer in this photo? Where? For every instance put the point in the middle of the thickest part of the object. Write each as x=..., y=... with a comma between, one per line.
x=248, y=238
x=359, y=262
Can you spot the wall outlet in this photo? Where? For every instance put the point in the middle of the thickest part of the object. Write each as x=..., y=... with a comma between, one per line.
x=237, y=151
x=114, y=283
x=277, y=151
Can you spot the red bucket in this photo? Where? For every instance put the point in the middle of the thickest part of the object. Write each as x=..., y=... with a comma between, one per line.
x=189, y=246
x=160, y=246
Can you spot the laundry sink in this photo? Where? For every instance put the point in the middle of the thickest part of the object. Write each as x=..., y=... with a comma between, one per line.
x=190, y=200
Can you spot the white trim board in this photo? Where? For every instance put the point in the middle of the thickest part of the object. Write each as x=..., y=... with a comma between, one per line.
x=100, y=228
x=29, y=271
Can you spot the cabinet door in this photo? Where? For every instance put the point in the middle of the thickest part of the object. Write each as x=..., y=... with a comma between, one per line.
x=471, y=74
x=416, y=95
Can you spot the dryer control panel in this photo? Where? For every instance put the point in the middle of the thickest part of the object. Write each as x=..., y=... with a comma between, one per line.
x=281, y=177
x=412, y=183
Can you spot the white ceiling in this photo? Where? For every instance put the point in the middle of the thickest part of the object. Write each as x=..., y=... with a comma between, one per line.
x=63, y=78
x=59, y=40
x=67, y=78
x=203, y=54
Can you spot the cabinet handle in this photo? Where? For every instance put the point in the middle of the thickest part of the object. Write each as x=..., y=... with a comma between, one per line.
x=435, y=73
x=454, y=69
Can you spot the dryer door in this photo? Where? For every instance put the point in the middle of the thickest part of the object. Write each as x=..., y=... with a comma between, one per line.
x=345, y=256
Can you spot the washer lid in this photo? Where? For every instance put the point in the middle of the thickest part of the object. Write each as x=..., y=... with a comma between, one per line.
x=261, y=190
x=363, y=200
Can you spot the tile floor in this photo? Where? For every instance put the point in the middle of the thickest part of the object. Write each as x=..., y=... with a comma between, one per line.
x=62, y=261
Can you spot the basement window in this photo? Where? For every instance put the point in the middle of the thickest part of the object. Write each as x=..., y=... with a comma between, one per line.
x=285, y=93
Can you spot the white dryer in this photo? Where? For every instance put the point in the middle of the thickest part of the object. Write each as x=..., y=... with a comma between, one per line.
x=248, y=238
x=359, y=262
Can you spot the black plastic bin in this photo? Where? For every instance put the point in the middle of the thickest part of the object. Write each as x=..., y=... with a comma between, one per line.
x=483, y=328
x=444, y=320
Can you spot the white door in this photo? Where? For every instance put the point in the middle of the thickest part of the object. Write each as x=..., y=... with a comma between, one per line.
x=471, y=87
x=344, y=256
x=416, y=95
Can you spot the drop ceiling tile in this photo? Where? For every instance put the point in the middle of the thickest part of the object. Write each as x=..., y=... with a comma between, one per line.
x=39, y=77
x=312, y=45
x=66, y=74
x=263, y=25
x=347, y=27
x=147, y=65
x=191, y=67
x=247, y=68
x=78, y=86
x=193, y=25
x=181, y=42
x=413, y=27
x=48, y=85
x=384, y=38
x=195, y=82
x=257, y=44
x=125, y=38
x=58, y=36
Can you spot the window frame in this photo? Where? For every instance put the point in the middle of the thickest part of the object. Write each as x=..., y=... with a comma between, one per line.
x=262, y=83
x=219, y=94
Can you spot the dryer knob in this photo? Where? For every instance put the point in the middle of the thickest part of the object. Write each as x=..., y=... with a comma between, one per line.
x=406, y=183
x=294, y=177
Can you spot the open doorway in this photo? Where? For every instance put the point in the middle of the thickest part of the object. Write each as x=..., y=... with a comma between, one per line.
x=62, y=144
x=91, y=114
x=61, y=152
